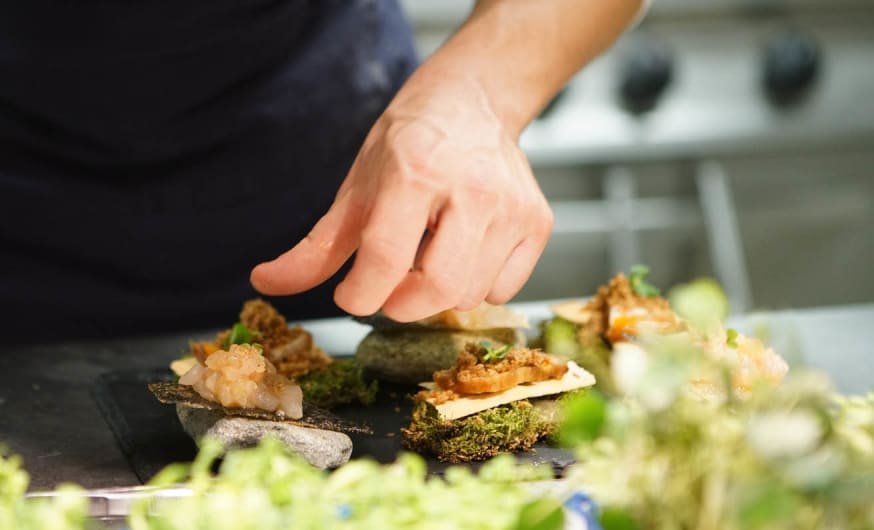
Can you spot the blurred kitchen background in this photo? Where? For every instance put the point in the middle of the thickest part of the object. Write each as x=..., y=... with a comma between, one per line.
x=730, y=138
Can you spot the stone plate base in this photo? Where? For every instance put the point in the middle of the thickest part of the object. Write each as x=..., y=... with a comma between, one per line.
x=150, y=435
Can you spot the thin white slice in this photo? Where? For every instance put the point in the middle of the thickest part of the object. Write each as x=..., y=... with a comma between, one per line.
x=573, y=311
x=482, y=317
x=574, y=378
x=181, y=366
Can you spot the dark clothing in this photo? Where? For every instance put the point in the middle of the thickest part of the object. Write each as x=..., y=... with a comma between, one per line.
x=152, y=152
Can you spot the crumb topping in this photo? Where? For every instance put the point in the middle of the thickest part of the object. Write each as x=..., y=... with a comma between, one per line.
x=616, y=311
x=475, y=373
x=290, y=349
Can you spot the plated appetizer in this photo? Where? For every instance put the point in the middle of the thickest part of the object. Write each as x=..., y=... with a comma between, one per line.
x=324, y=381
x=242, y=377
x=629, y=309
x=410, y=353
x=494, y=400
x=262, y=378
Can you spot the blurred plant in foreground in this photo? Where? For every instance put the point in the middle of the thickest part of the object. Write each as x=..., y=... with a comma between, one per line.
x=67, y=511
x=793, y=456
x=268, y=488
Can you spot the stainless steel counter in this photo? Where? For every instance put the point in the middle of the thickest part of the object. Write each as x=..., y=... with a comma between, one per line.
x=48, y=415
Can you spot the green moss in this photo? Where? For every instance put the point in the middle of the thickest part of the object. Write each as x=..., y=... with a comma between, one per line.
x=339, y=383
x=507, y=428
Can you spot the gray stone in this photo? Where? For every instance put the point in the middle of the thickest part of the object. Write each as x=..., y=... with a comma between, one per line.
x=411, y=356
x=321, y=448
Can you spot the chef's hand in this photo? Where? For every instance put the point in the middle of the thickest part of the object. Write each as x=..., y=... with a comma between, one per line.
x=440, y=206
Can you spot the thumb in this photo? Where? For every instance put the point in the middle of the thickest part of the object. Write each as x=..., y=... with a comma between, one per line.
x=316, y=257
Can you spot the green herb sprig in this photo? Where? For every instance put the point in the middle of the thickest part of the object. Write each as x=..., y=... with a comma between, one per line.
x=637, y=278
x=493, y=354
x=240, y=334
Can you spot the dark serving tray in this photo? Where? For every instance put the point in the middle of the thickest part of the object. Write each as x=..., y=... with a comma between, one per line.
x=150, y=435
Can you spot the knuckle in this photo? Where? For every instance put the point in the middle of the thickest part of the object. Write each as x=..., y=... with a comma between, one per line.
x=413, y=146
x=543, y=222
x=443, y=288
x=481, y=188
x=471, y=300
x=380, y=252
x=418, y=179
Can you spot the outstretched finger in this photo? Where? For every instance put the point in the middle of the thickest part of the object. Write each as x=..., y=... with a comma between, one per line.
x=445, y=268
x=517, y=269
x=316, y=257
x=499, y=242
x=387, y=250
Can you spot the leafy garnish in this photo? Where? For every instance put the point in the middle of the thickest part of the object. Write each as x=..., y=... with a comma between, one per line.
x=731, y=338
x=240, y=334
x=637, y=278
x=495, y=354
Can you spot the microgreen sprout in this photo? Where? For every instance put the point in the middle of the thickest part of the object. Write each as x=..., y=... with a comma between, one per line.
x=240, y=334
x=493, y=354
x=637, y=277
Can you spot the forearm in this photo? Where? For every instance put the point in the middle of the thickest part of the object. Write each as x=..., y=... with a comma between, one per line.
x=516, y=54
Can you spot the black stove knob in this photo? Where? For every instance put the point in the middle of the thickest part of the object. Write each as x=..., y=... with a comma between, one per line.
x=645, y=74
x=792, y=63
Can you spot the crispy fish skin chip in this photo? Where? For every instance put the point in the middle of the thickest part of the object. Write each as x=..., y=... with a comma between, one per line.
x=314, y=417
x=484, y=317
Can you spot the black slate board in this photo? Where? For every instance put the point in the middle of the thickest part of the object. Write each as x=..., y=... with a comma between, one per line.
x=148, y=432
x=150, y=435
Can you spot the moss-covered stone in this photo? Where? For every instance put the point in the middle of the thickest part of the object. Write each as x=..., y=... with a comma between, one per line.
x=504, y=429
x=410, y=356
x=339, y=383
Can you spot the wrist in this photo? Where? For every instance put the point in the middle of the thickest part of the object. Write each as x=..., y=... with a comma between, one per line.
x=478, y=81
x=452, y=101
x=512, y=56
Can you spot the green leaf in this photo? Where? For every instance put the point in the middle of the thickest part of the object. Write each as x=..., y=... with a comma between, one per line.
x=584, y=417
x=240, y=334
x=542, y=514
x=637, y=278
x=731, y=338
x=496, y=354
x=617, y=519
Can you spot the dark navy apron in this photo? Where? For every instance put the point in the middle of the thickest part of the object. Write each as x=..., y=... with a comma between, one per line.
x=152, y=152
